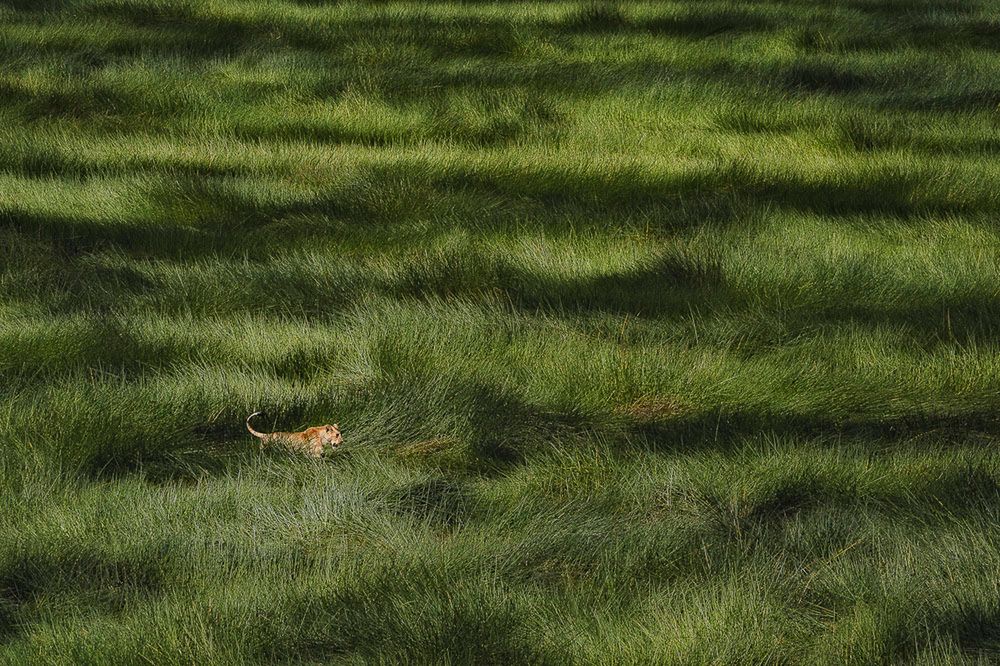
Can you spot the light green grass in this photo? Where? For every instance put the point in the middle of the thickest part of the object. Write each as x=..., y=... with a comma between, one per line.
x=661, y=332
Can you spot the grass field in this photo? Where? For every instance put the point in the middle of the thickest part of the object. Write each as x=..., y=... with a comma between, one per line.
x=658, y=332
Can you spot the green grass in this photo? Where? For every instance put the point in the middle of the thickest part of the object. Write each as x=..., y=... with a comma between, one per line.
x=661, y=332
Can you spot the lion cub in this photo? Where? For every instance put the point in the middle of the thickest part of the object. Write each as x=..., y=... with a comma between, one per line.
x=311, y=441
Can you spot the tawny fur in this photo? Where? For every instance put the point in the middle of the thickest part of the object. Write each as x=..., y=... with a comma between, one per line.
x=311, y=441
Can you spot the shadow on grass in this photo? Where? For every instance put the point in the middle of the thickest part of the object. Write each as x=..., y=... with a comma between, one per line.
x=187, y=462
x=424, y=65
x=825, y=78
x=730, y=429
x=967, y=491
x=914, y=32
x=183, y=30
x=79, y=102
x=505, y=429
x=966, y=98
x=207, y=216
x=406, y=614
x=973, y=628
x=895, y=9
x=693, y=23
x=108, y=584
x=963, y=319
x=663, y=287
x=440, y=501
x=976, y=630
x=659, y=288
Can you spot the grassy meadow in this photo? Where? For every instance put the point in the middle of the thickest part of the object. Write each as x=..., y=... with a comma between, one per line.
x=659, y=332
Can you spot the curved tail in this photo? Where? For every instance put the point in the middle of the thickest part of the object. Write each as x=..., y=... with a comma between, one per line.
x=252, y=431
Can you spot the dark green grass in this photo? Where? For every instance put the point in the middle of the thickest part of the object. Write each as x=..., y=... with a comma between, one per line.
x=659, y=332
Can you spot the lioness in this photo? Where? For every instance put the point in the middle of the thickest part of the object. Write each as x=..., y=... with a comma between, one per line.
x=310, y=441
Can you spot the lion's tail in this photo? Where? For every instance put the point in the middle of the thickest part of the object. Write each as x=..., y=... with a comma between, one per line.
x=250, y=428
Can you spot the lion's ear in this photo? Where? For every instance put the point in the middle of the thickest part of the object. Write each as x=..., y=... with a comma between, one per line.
x=337, y=426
